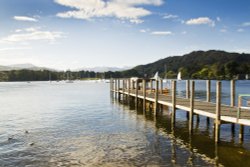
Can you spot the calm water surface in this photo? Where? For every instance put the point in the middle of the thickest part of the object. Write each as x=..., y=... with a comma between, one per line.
x=78, y=124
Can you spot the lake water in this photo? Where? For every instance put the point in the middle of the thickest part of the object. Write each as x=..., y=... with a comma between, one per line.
x=78, y=124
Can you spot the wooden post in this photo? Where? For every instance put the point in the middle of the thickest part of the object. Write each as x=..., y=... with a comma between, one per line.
x=218, y=112
x=144, y=94
x=241, y=129
x=111, y=84
x=208, y=95
x=119, y=94
x=187, y=89
x=241, y=133
x=173, y=101
x=129, y=86
x=115, y=89
x=136, y=93
x=156, y=96
x=232, y=85
x=161, y=86
x=208, y=90
x=151, y=85
x=191, y=112
x=232, y=93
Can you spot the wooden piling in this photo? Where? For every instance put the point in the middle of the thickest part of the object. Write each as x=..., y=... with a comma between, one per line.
x=191, y=112
x=241, y=133
x=208, y=90
x=115, y=90
x=161, y=86
x=136, y=92
x=218, y=112
x=208, y=95
x=232, y=86
x=151, y=85
x=187, y=89
x=232, y=99
x=119, y=94
x=173, y=101
x=156, y=96
x=144, y=94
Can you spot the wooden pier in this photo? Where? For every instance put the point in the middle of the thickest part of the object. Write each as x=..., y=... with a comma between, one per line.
x=149, y=90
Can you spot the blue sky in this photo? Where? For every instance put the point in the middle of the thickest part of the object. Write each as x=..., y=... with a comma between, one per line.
x=70, y=34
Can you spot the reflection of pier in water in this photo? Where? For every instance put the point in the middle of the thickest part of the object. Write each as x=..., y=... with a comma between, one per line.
x=197, y=145
x=151, y=91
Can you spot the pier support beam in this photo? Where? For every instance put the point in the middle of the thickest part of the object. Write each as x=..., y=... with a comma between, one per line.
x=156, y=96
x=241, y=133
x=173, y=101
x=218, y=112
x=191, y=112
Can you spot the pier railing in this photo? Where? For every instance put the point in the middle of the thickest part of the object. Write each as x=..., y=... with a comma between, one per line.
x=153, y=91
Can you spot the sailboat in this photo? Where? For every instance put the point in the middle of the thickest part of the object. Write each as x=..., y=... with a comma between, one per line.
x=68, y=78
x=156, y=76
x=179, y=76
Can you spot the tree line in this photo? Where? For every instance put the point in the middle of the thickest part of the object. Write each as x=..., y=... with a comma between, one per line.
x=195, y=65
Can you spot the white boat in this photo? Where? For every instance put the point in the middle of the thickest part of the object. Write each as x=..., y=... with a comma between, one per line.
x=179, y=76
x=156, y=76
x=68, y=79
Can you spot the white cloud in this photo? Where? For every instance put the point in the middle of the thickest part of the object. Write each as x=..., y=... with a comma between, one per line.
x=25, y=18
x=161, y=33
x=121, y=9
x=170, y=16
x=223, y=30
x=246, y=24
x=32, y=34
x=14, y=48
x=144, y=30
x=184, y=32
x=240, y=30
x=201, y=20
x=218, y=19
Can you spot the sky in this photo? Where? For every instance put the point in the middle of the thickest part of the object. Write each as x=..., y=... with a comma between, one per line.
x=71, y=34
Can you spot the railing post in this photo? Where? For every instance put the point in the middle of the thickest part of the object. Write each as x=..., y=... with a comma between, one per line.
x=232, y=85
x=156, y=96
x=151, y=85
x=232, y=103
x=119, y=94
x=208, y=95
x=136, y=93
x=208, y=90
x=187, y=89
x=218, y=112
x=241, y=129
x=191, y=112
x=144, y=94
x=161, y=86
x=173, y=101
x=115, y=89
x=129, y=86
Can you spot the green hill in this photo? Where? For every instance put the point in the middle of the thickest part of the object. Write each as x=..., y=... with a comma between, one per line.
x=211, y=64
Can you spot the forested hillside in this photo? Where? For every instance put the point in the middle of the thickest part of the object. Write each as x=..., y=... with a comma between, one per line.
x=198, y=65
